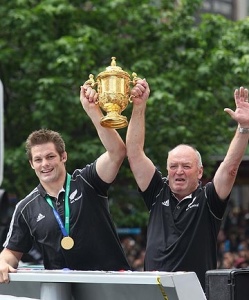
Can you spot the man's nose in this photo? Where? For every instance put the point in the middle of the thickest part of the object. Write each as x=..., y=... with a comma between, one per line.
x=45, y=162
x=179, y=170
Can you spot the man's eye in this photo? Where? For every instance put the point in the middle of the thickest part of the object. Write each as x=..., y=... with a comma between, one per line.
x=37, y=160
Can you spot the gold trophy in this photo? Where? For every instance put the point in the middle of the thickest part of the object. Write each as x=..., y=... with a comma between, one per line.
x=113, y=87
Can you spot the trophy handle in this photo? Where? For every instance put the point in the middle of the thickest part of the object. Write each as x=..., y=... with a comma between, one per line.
x=134, y=81
x=92, y=83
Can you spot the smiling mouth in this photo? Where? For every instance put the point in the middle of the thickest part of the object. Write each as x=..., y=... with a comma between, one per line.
x=46, y=171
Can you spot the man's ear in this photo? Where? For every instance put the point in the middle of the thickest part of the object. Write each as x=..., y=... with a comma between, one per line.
x=30, y=162
x=200, y=173
x=64, y=156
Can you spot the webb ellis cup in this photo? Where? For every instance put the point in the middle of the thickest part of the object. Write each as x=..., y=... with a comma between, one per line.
x=113, y=87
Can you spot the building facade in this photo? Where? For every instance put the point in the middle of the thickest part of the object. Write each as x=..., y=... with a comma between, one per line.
x=232, y=9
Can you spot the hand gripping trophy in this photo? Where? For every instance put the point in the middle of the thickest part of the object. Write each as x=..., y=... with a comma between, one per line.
x=113, y=87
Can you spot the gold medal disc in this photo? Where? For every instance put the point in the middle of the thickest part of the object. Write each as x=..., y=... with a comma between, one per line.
x=67, y=243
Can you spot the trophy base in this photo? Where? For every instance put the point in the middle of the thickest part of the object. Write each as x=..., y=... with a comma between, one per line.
x=115, y=122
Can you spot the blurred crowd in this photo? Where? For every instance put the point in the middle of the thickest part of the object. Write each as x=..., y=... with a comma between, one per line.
x=134, y=248
x=233, y=240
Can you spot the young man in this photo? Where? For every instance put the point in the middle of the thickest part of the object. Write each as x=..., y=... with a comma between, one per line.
x=67, y=215
x=185, y=216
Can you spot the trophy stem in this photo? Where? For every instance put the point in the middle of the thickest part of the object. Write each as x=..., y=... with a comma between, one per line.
x=114, y=120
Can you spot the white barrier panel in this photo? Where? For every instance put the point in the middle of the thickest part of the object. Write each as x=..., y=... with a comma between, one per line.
x=100, y=285
x=7, y=297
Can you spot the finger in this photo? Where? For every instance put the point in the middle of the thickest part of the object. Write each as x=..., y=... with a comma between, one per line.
x=83, y=90
x=135, y=93
x=142, y=84
x=91, y=94
x=82, y=93
x=246, y=95
x=87, y=91
x=95, y=98
x=5, y=277
x=85, y=86
x=6, y=280
x=141, y=81
x=12, y=270
x=236, y=94
x=139, y=90
x=239, y=96
x=230, y=112
x=243, y=93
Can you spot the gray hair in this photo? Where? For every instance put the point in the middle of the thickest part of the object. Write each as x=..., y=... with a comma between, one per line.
x=198, y=155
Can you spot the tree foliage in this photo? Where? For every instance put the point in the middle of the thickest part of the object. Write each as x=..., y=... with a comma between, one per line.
x=48, y=49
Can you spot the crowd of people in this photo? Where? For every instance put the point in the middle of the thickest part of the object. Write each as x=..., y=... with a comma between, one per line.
x=233, y=240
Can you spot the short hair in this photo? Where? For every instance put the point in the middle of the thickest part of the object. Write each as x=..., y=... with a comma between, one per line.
x=43, y=136
x=199, y=159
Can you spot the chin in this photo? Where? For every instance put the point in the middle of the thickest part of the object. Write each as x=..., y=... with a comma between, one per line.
x=178, y=189
x=180, y=193
x=47, y=178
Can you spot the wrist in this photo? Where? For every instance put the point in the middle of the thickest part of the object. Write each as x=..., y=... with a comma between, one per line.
x=243, y=130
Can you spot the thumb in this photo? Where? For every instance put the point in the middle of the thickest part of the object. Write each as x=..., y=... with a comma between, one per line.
x=230, y=112
x=12, y=270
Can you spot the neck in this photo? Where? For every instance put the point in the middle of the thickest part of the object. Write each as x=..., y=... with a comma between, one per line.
x=181, y=197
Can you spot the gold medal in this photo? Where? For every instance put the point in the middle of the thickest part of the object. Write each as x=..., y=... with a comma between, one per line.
x=67, y=243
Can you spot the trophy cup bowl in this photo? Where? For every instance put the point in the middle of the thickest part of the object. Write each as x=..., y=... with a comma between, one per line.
x=113, y=87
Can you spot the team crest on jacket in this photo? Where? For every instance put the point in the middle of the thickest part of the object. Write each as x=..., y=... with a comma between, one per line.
x=73, y=197
x=165, y=203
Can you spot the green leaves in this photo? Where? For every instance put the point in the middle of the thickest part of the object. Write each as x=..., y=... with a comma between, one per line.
x=49, y=48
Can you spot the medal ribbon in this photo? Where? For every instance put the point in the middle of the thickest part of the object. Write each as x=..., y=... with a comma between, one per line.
x=64, y=229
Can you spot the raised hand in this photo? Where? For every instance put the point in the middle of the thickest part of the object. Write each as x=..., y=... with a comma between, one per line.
x=241, y=113
x=140, y=92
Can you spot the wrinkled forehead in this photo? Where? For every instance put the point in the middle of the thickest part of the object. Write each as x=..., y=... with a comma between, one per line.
x=182, y=154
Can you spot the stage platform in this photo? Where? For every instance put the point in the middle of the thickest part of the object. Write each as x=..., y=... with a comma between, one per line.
x=101, y=285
